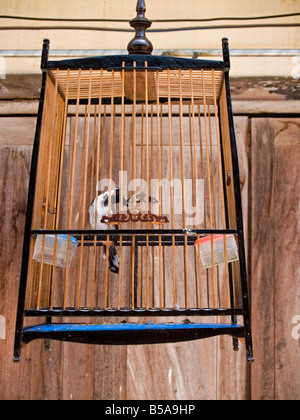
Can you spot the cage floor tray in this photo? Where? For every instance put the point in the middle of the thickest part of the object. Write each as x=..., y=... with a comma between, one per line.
x=129, y=333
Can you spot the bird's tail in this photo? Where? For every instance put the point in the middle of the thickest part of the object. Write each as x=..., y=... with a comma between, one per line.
x=113, y=258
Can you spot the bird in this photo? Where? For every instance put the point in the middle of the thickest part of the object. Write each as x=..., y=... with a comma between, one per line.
x=138, y=202
x=101, y=203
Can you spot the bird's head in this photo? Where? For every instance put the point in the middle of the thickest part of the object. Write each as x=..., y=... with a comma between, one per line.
x=104, y=198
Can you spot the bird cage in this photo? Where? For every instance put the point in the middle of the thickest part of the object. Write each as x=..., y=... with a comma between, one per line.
x=134, y=223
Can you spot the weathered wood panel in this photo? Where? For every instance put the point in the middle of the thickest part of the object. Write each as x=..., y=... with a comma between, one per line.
x=17, y=131
x=287, y=257
x=275, y=257
x=262, y=257
x=207, y=369
x=27, y=380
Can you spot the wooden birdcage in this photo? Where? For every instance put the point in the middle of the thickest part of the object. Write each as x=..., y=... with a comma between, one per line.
x=159, y=131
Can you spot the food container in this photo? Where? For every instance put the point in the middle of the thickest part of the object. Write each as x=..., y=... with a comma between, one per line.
x=61, y=249
x=216, y=246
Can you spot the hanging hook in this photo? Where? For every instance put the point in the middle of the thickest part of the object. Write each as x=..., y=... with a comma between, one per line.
x=51, y=212
x=228, y=179
x=49, y=209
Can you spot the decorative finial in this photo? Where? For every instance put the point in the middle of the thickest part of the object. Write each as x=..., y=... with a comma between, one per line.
x=140, y=44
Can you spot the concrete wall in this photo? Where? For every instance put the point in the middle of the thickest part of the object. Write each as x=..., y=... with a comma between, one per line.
x=254, y=38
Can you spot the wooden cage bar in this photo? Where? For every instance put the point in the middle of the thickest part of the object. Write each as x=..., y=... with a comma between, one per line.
x=157, y=129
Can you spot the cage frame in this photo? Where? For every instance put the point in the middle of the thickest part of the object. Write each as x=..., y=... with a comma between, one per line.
x=131, y=333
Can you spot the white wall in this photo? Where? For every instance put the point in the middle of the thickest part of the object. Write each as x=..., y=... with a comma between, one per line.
x=258, y=38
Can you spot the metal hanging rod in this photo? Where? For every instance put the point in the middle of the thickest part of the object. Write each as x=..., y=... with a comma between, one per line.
x=236, y=18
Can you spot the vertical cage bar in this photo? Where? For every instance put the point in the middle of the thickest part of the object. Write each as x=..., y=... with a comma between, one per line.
x=93, y=181
x=72, y=176
x=98, y=154
x=133, y=178
x=141, y=265
x=147, y=178
x=80, y=213
x=221, y=187
x=59, y=185
x=151, y=176
x=85, y=158
x=162, y=205
x=159, y=191
x=198, y=262
x=183, y=188
x=203, y=178
x=209, y=186
x=172, y=188
x=111, y=152
x=122, y=149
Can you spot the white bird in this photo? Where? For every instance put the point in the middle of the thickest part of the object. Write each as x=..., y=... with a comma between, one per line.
x=101, y=203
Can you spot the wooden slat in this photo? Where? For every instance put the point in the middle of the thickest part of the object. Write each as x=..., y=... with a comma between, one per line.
x=287, y=256
x=275, y=256
x=263, y=259
x=38, y=374
x=160, y=78
x=17, y=132
x=165, y=371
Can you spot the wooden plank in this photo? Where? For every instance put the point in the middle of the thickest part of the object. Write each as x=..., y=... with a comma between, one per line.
x=20, y=86
x=19, y=107
x=275, y=256
x=110, y=372
x=164, y=371
x=262, y=258
x=271, y=89
x=266, y=108
x=287, y=257
x=77, y=371
x=17, y=131
x=14, y=169
x=37, y=376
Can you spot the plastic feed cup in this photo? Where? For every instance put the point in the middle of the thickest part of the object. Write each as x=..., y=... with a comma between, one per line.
x=212, y=250
x=60, y=259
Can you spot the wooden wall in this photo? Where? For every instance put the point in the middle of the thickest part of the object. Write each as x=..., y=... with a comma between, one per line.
x=269, y=150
